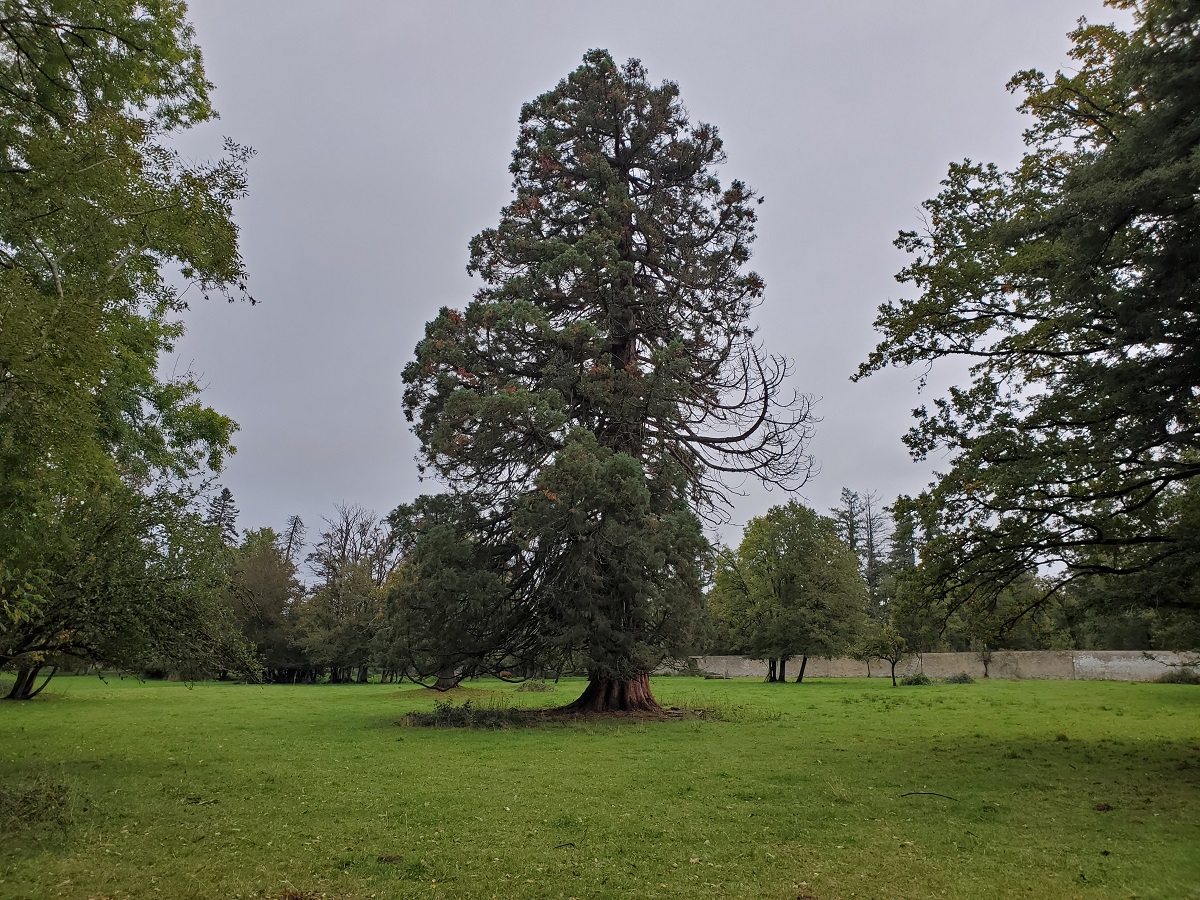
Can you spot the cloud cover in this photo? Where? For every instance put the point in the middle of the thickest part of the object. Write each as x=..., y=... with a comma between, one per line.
x=383, y=133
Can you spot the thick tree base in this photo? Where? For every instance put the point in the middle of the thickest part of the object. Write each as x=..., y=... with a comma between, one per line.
x=615, y=695
x=24, y=687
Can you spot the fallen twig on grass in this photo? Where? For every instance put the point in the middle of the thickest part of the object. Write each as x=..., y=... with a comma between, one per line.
x=929, y=794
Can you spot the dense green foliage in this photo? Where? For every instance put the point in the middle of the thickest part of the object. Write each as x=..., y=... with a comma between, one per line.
x=1071, y=285
x=233, y=790
x=450, y=611
x=140, y=585
x=265, y=595
x=589, y=400
x=792, y=588
x=96, y=212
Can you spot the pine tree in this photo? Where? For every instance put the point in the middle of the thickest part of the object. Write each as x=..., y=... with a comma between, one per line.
x=606, y=376
x=874, y=549
x=294, y=533
x=860, y=522
x=222, y=515
x=847, y=517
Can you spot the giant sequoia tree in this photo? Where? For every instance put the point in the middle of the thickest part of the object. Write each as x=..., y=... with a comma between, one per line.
x=1072, y=285
x=605, y=378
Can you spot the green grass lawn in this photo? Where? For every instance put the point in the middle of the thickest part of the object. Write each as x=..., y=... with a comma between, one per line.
x=221, y=791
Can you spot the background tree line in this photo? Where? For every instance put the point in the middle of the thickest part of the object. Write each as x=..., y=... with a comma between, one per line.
x=800, y=584
x=849, y=584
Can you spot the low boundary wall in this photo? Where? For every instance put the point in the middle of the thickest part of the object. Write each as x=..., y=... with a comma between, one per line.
x=1081, y=665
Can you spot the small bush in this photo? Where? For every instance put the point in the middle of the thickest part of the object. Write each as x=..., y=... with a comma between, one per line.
x=916, y=678
x=960, y=678
x=535, y=686
x=1183, y=675
x=446, y=715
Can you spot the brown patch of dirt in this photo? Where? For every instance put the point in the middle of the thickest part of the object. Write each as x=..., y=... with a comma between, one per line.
x=1102, y=807
x=516, y=717
x=458, y=691
x=567, y=713
x=389, y=858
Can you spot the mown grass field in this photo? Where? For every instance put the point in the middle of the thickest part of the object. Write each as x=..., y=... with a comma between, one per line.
x=131, y=790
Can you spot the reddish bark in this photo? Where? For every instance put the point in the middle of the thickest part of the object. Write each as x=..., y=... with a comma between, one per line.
x=604, y=695
x=448, y=679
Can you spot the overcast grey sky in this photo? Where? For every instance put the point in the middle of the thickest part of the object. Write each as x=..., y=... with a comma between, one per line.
x=383, y=132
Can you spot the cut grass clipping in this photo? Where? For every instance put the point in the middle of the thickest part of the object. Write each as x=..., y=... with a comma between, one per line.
x=829, y=789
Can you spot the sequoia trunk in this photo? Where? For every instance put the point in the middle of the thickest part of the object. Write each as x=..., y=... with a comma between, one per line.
x=607, y=694
x=447, y=679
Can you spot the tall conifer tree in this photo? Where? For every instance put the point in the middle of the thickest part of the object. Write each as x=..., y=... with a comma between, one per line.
x=222, y=515
x=605, y=378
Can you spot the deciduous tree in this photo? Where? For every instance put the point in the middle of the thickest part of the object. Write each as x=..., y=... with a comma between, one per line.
x=353, y=560
x=883, y=641
x=141, y=585
x=1071, y=284
x=95, y=208
x=792, y=588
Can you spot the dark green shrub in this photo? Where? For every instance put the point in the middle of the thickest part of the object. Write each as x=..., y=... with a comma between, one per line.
x=960, y=678
x=1182, y=675
x=916, y=678
x=446, y=715
x=535, y=686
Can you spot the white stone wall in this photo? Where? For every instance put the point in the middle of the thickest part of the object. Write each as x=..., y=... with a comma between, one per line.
x=1120, y=665
x=1085, y=665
